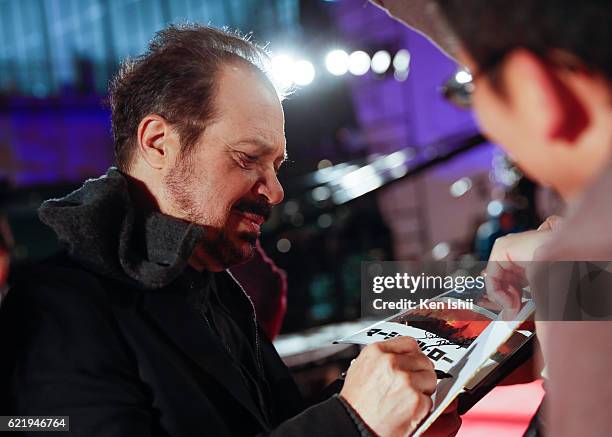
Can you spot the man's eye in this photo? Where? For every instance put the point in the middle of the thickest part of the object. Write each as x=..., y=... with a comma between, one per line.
x=247, y=160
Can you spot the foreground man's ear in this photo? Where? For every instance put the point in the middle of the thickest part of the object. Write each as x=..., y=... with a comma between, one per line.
x=155, y=141
x=544, y=97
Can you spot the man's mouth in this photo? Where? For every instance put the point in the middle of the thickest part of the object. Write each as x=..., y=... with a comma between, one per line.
x=252, y=213
x=252, y=220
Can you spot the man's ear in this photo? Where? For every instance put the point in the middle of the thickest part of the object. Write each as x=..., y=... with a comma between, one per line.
x=546, y=103
x=155, y=141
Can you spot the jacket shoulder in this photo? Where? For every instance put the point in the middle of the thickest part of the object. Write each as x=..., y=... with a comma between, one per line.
x=64, y=280
x=55, y=307
x=59, y=329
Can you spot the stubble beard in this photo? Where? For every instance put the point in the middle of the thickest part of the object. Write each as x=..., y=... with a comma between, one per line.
x=218, y=243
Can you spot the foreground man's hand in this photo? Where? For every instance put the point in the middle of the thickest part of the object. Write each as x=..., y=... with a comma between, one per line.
x=505, y=273
x=389, y=385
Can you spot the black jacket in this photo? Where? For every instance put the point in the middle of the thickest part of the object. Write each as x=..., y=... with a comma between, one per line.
x=114, y=334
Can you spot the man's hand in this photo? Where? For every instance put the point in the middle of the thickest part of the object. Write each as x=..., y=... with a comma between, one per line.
x=505, y=273
x=389, y=385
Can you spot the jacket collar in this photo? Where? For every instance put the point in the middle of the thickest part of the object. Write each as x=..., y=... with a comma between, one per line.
x=103, y=230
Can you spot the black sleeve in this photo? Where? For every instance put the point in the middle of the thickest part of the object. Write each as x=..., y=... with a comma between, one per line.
x=329, y=418
x=64, y=356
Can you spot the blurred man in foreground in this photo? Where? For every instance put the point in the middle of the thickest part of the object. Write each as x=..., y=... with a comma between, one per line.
x=542, y=89
x=137, y=329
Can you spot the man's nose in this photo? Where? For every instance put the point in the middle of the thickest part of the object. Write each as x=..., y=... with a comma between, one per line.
x=270, y=187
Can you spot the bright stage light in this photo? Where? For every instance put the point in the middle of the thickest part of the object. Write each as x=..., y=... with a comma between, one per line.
x=463, y=77
x=401, y=61
x=303, y=73
x=359, y=63
x=381, y=61
x=282, y=67
x=337, y=62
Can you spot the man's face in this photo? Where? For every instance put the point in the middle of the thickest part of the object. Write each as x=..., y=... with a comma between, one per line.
x=550, y=120
x=501, y=122
x=228, y=182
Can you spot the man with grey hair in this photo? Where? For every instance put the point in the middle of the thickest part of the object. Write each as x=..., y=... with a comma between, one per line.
x=137, y=328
